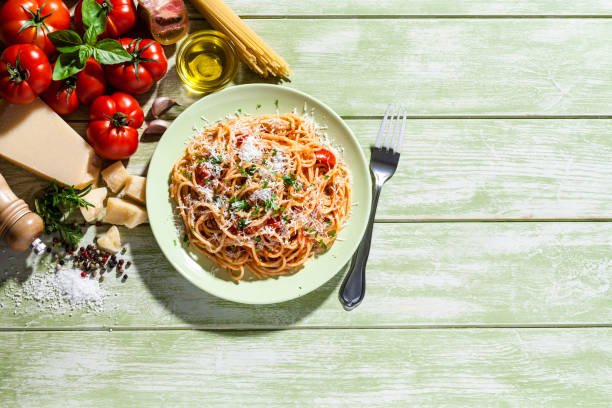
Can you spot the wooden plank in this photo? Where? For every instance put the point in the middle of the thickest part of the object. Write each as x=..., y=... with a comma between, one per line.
x=314, y=368
x=456, y=67
x=466, y=169
x=417, y=7
x=418, y=274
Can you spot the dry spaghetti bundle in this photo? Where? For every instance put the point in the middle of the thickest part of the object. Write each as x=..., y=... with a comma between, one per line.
x=261, y=192
x=252, y=49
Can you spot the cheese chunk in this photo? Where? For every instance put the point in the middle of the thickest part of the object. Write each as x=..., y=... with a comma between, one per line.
x=110, y=240
x=135, y=188
x=115, y=176
x=95, y=197
x=36, y=138
x=121, y=212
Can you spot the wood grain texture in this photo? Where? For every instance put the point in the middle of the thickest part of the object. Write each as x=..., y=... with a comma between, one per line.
x=314, y=368
x=466, y=169
x=456, y=67
x=418, y=274
x=417, y=7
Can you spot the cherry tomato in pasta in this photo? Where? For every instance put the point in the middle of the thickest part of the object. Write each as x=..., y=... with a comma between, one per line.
x=325, y=157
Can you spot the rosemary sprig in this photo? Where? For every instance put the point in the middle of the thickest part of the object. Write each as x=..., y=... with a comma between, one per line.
x=55, y=205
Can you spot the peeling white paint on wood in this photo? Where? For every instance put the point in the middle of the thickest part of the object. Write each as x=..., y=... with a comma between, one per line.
x=418, y=274
x=315, y=368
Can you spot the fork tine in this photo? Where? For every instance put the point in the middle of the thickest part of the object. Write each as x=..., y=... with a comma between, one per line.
x=398, y=146
x=396, y=129
x=390, y=128
x=381, y=130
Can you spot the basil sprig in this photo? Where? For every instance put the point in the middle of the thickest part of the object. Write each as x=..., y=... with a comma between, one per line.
x=74, y=50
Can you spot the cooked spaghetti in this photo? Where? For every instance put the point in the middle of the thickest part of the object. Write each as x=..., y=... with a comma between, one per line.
x=261, y=192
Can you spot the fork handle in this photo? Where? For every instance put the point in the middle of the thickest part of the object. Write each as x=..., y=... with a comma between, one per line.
x=352, y=290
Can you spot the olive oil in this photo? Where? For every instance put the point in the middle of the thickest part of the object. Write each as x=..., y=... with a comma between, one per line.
x=206, y=61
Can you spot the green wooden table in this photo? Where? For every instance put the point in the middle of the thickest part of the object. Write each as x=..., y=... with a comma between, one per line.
x=489, y=280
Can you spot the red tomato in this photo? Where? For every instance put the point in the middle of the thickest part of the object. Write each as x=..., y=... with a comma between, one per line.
x=29, y=22
x=61, y=96
x=325, y=157
x=274, y=222
x=25, y=72
x=113, y=125
x=66, y=95
x=202, y=174
x=148, y=65
x=120, y=17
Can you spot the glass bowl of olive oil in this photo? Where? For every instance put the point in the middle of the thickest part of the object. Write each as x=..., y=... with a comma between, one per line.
x=206, y=61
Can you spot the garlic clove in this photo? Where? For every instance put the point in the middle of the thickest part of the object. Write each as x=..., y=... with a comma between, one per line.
x=162, y=104
x=156, y=127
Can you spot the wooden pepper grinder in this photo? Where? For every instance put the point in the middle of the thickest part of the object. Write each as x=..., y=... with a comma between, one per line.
x=19, y=227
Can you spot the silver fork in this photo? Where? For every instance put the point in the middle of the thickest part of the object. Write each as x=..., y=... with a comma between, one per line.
x=383, y=163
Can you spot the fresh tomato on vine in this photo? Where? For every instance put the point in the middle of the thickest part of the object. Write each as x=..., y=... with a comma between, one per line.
x=120, y=17
x=30, y=21
x=113, y=125
x=147, y=66
x=25, y=72
x=65, y=95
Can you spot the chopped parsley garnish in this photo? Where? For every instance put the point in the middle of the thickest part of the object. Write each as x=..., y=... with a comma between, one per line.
x=255, y=210
x=326, y=177
x=188, y=175
x=258, y=105
x=333, y=233
x=271, y=203
x=257, y=239
x=275, y=174
x=265, y=184
x=289, y=180
x=323, y=245
x=238, y=204
x=239, y=110
x=216, y=159
x=274, y=152
x=276, y=103
x=185, y=238
x=329, y=223
x=242, y=223
x=248, y=171
x=174, y=241
x=286, y=218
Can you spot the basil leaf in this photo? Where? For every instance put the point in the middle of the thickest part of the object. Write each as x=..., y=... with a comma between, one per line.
x=109, y=51
x=84, y=53
x=94, y=17
x=65, y=40
x=67, y=65
x=90, y=36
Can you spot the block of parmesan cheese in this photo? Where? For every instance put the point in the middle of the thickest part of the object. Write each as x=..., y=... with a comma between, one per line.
x=122, y=212
x=96, y=197
x=115, y=176
x=110, y=240
x=38, y=139
x=135, y=188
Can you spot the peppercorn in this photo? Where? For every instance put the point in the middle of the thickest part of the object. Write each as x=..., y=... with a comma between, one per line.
x=98, y=223
x=121, y=262
x=125, y=277
x=127, y=265
x=61, y=262
x=48, y=249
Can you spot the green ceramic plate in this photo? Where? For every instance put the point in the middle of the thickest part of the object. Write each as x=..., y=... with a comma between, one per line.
x=202, y=271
